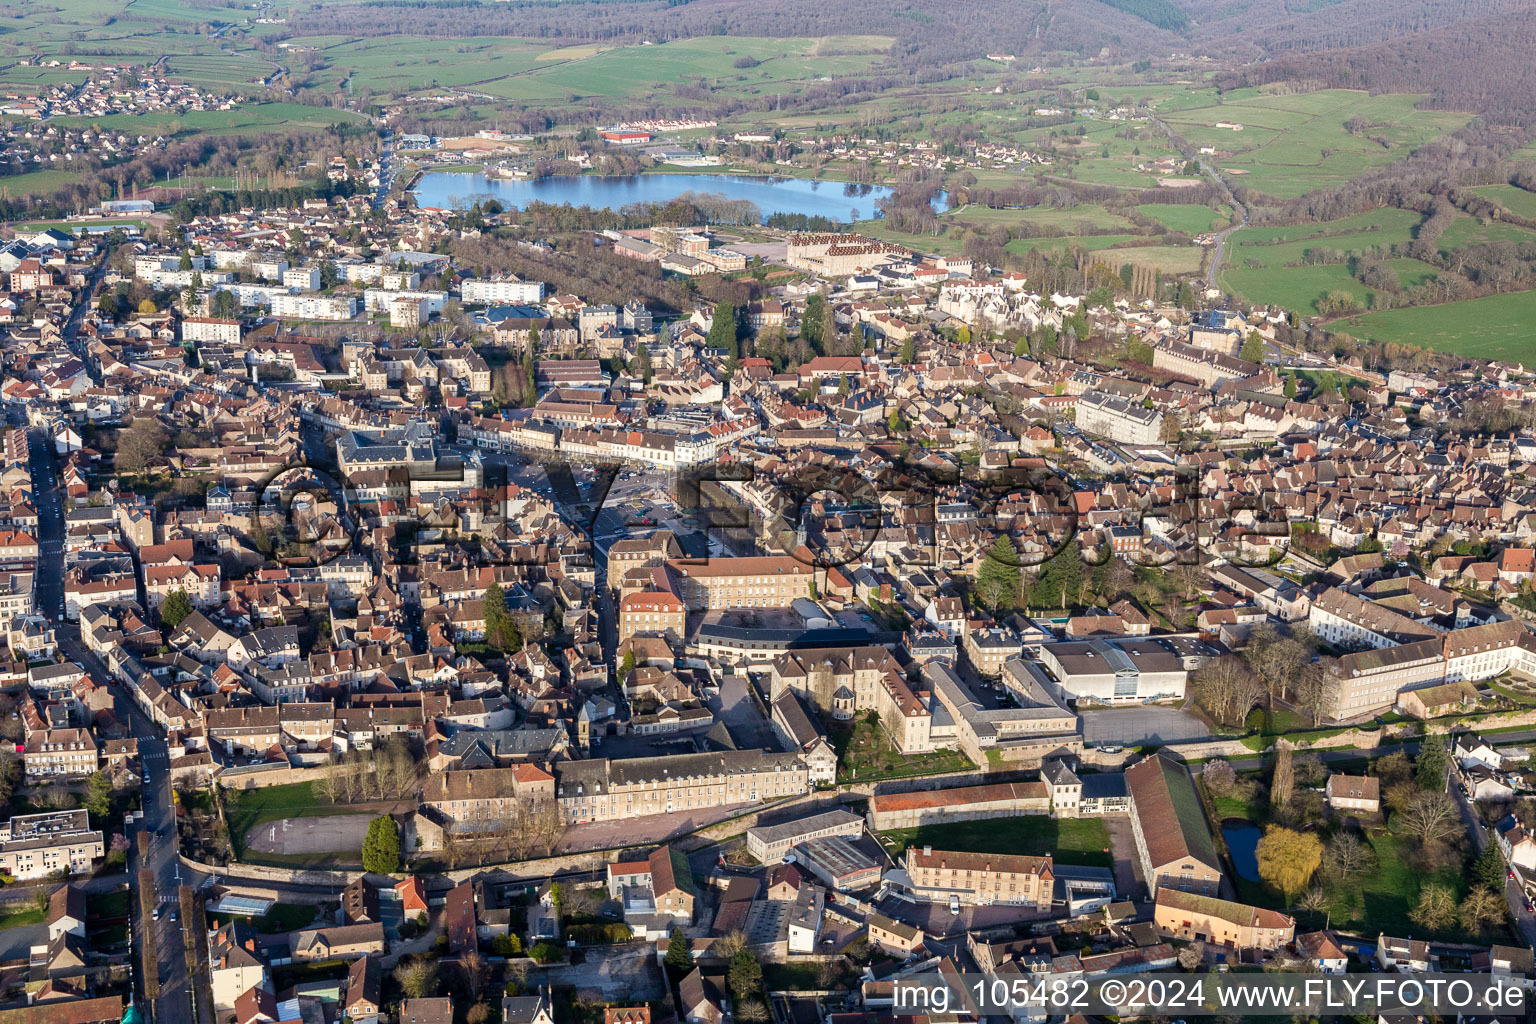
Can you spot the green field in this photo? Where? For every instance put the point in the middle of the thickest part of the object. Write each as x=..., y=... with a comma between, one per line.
x=1291, y=145
x=1185, y=217
x=1271, y=266
x=1293, y=288
x=1080, y=841
x=247, y=119
x=1497, y=327
x=217, y=70
x=248, y=808
x=1171, y=259
x=1465, y=231
x=1090, y=243
x=1066, y=220
x=36, y=183
x=1515, y=200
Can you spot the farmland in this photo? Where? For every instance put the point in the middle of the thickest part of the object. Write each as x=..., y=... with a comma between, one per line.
x=1496, y=327
x=254, y=117
x=1293, y=144
x=1295, y=266
x=1185, y=217
x=36, y=182
x=1515, y=200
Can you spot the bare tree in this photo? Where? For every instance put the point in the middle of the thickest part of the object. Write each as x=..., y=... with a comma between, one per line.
x=1429, y=816
x=474, y=971
x=1227, y=690
x=330, y=781
x=1315, y=693
x=1347, y=858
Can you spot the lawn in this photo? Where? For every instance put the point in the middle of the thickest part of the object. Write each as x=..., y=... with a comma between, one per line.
x=107, y=904
x=865, y=752
x=31, y=914
x=1496, y=327
x=1381, y=901
x=1080, y=841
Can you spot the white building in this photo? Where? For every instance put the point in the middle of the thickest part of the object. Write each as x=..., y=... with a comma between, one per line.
x=507, y=291
x=203, y=328
x=1118, y=419
x=303, y=278
x=313, y=306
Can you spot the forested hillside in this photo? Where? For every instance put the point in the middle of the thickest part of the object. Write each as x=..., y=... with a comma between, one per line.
x=1483, y=64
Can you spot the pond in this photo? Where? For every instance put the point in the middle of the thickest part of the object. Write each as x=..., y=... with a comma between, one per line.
x=1243, y=843
x=835, y=200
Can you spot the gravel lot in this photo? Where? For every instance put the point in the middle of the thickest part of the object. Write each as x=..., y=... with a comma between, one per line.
x=1141, y=725
x=332, y=834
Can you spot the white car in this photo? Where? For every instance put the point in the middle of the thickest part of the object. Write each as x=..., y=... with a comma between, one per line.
x=954, y=905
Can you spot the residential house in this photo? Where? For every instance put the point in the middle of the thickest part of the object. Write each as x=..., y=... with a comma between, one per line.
x=1191, y=916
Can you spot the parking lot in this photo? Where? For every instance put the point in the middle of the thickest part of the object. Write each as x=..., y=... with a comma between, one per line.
x=1140, y=726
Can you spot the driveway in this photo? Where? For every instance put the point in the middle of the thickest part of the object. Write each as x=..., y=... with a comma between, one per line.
x=1129, y=884
x=1140, y=726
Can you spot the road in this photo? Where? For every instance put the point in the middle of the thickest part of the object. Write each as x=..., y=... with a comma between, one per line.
x=1514, y=892
x=386, y=167
x=1216, y=250
x=159, y=813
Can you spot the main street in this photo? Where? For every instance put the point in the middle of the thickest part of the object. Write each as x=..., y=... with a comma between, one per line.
x=159, y=813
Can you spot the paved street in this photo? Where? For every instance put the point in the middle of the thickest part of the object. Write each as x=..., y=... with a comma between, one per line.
x=159, y=811
x=1514, y=892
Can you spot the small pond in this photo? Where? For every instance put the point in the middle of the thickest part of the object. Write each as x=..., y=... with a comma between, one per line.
x=1243, y=843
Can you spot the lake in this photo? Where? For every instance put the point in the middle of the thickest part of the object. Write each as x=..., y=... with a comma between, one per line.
x=835, y=200
x=1243, y=843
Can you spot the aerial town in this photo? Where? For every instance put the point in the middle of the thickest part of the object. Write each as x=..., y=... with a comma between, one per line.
x=421, y=607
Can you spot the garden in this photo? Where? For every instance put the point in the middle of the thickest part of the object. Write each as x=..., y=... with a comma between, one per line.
x=865, y=753
x=1408, y=871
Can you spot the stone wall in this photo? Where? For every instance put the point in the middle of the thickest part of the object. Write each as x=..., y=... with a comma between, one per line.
x=239, y=874
x=276, y=777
